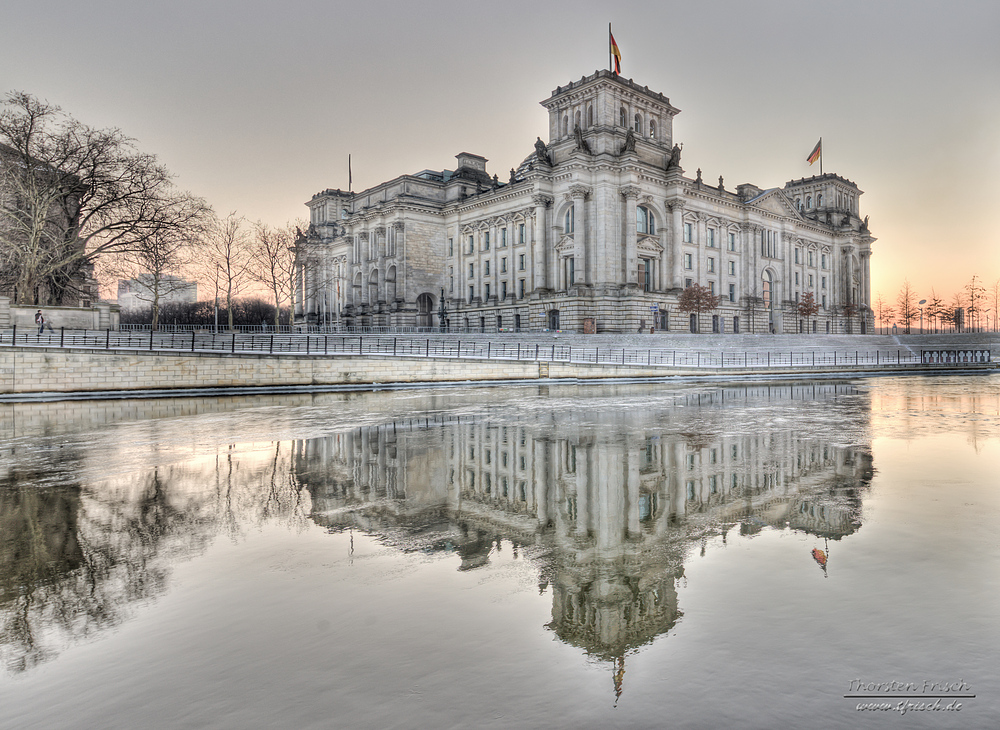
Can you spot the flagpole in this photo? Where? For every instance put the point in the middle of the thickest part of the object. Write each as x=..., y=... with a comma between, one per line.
x=350, y=180
x=610, y=67
x=821, y=157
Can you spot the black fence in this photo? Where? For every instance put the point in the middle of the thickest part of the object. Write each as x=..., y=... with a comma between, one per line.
x=455, y=347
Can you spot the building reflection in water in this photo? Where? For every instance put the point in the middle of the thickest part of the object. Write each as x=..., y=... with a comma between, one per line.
x=611, y=500
x=606, y=495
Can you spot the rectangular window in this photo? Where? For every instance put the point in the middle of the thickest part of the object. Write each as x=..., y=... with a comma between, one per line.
x=688, y=283
x=486, y=241
x=810, y=258
x=711, y=238
x=824, y=301
x=572, y=270
x=796, y=278
x=503, y=238
x=732, y=241
x=486, y=267
x=520, y=233
x=520, y=288
x=486, y=292
x=472, y=293
x=688, y=261
x=503, y=291
x=451, y=246
x=472, y=271
x=732, y=268
x=823, y=261
x=472, y=244
x=797, y=252
x=520, y=262
x=823, y=282
x=711, y=288
x=810, y=281
x=687, y=233
x=732, y=292
x=711, y=265
x=503, y=265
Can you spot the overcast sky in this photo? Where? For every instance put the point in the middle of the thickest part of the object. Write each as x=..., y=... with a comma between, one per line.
x=255, y=105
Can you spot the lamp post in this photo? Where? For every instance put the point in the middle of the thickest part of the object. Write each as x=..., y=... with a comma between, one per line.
x=442, y=312
x=216, y=299
x=921, y=304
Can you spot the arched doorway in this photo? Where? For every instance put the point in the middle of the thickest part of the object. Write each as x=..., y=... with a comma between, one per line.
x=767, y=295
x=425, y=310
x=694, y=322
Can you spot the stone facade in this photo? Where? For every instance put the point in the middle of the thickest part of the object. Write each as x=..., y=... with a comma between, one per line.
x=599, y=229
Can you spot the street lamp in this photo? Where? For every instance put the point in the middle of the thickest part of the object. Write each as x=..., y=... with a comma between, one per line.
x=442, y=312
x=921, y=303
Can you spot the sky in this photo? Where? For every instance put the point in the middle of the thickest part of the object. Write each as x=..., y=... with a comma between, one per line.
x=256, y=105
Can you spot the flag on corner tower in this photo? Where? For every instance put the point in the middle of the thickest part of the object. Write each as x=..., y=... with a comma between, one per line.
x=615, y=52
x=816, y=153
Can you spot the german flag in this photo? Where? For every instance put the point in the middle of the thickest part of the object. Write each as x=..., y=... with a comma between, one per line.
x=816, y=153
x=615, y=53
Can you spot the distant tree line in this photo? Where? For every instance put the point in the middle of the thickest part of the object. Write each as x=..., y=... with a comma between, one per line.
x=974, y=308
x=249, y=311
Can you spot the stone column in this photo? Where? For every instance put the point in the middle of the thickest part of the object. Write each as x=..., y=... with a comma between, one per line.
x=380, y=234
x=631, y=195
x=676, y=244
x=399, y=232
x=581, y=243
x=539, y=244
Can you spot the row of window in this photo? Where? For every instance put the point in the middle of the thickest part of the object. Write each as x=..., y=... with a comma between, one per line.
x=637, y=123
x=488, y=292
x=810, y=258
x=486, y=240
x=710, y=261
x=811, y=279
x=710, y=237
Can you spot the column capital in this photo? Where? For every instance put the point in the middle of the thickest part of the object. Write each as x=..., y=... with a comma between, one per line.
x=630, y=191
x=579, y=191
x=541, y=200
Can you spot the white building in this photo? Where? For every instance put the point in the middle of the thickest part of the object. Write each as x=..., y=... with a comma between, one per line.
x=138, y=293
x=599, y=229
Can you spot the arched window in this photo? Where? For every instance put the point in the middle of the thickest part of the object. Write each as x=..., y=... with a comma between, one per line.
x=798, y=203
x=590, y=115
x=565, y=130
x=569, y=220
x=644, y=221
x=819, y=200
x=638, y=124
x=576, y=119
x=765, y=289
x=623, y=118
x=809, y=202
x=652, y=129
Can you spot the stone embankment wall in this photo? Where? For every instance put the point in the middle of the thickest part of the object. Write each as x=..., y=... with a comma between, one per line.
x=55, y=370
x=98, y=317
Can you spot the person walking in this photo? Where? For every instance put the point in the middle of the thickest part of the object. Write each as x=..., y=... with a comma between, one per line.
x=41, y=322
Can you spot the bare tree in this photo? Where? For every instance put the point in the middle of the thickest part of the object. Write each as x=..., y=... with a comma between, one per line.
x=906, y=302
x=226, y=257
x=995, y=291
x=698, y=299
x=807, y=307
x=975, y=296
x=273, y=262
x=70, y=193
x=884, y=310
x=935, y=309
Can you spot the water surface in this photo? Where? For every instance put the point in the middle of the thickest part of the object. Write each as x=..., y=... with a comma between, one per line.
x=627, y=556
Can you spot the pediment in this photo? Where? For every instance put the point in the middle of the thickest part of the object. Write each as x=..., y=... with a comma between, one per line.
x=649, y=244
x=566, y=243
x=775, y=201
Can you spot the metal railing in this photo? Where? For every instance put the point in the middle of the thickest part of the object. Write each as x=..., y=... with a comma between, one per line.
x=456, y=347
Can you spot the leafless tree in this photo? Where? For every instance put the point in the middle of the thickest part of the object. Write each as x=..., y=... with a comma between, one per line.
x=226, y=257
x=70, y=193
x=995, y=292
x=698, y=299
x=907, y=310
x=884, y=309
x=807, y=307
x=273, y=262
x=935, y=309
x=975, y=296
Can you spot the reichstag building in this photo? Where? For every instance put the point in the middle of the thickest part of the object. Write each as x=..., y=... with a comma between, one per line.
x=599, y=229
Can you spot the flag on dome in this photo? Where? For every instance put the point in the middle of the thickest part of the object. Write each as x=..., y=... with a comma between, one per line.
x=613, y=50
x=816, y=153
